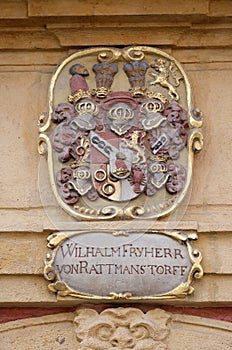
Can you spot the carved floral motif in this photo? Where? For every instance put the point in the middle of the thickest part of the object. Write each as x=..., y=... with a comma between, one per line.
x=122, y=329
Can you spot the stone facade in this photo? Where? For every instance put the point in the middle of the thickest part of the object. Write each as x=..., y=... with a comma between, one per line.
x=35, y=36
x=119, y=329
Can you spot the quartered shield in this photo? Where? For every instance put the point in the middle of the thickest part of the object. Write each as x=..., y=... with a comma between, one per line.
x=120, y=134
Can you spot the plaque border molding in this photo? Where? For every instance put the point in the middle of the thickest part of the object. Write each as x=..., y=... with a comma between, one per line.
x=62, y=289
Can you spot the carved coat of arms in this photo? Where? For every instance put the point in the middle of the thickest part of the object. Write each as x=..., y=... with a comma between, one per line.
x=120, y=133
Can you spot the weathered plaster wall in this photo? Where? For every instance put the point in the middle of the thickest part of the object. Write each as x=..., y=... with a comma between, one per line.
x=34, y=36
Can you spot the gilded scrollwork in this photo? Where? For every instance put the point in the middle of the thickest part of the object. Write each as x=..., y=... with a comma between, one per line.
x=196, y=118
x=196, y=140
x=108, y=55
x=43, y=117
x=134, y=54
x=61, y=286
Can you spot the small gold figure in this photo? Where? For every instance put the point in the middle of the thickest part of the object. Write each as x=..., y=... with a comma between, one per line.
x=161, y=76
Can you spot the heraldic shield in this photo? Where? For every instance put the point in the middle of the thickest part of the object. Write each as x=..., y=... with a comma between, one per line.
x=120, y=134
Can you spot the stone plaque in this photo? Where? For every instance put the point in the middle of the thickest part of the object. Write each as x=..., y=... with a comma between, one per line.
x=120, y=134
x=122, y=264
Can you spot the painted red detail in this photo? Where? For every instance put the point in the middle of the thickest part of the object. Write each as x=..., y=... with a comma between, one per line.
x=12, y=314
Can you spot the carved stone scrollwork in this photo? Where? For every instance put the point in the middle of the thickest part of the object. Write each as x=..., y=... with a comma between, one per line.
x=109, y=55
x=43, y=117
x=122, y=329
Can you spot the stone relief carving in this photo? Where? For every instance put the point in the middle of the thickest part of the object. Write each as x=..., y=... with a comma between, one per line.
x=57, y=331
x=121, y=329
x=120, y=134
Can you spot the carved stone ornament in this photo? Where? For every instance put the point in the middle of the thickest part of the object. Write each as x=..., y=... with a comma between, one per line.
x=116, y=329
x=111, y=266
x=122, y=329
x=120, y=134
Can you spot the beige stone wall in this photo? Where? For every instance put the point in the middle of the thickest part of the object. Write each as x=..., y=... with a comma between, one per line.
x=34, y=36
x=71, y=330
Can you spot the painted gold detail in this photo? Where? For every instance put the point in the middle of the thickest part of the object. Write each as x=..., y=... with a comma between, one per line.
x=196, y=118
x=100, y=175
x=101, y=92
x=181, y=291
x=42, y=119
x=161, y=76
x=167, y=81
x=108, y=189
x=158, y=95
x=134, y=54
x=138, y=92
x=108, y=55
x=78, y=96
